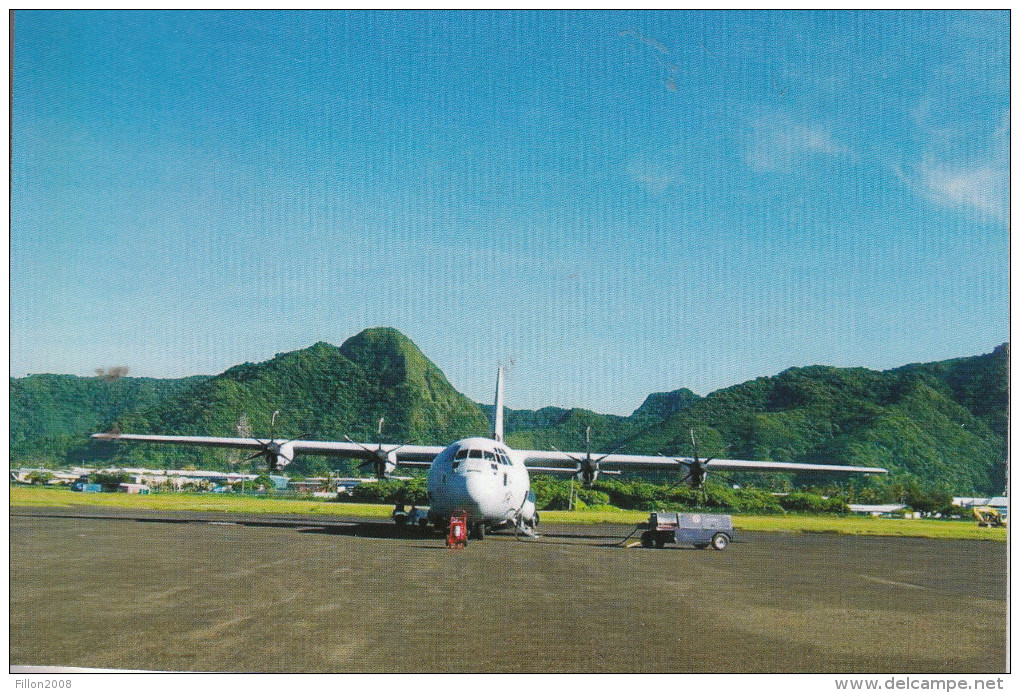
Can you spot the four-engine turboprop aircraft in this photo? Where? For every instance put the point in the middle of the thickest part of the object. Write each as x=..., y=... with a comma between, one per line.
x=483, y=476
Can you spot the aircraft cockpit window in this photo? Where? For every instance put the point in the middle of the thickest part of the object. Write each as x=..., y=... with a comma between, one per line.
x=476, y=455
x=461, y=454
x=489, y=456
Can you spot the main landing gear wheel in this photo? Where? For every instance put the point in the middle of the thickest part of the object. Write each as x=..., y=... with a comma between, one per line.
x=720, y=541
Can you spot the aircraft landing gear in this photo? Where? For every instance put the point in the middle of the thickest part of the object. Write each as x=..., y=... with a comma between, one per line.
x=478, y=531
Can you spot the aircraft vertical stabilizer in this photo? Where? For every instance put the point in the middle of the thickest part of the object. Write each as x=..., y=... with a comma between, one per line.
x=497, y=414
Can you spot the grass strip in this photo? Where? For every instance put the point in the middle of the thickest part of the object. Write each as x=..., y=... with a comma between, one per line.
x=28, y=496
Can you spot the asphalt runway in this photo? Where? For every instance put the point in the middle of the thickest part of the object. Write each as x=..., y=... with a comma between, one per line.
x=106, y=588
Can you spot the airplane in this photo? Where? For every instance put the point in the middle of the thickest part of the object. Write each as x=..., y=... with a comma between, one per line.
x=483, y=477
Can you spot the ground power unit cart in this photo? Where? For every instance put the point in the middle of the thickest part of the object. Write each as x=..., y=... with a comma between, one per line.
x=687, y=528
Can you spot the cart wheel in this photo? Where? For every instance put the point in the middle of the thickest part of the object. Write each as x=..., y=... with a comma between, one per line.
x=646, y=540
x=720, y=541
x=660, y=541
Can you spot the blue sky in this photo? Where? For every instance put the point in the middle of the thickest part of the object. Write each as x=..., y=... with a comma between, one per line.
x=616, y=203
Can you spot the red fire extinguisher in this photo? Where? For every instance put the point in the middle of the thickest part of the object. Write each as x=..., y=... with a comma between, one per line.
x=457, y=538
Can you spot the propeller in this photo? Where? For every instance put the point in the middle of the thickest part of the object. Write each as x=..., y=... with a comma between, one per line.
x=278, y=454
x=587, y=469
x=381, y=461
x=697, y=470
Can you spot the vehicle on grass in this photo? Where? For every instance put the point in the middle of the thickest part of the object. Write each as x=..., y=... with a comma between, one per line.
x=482, y=477
x=989, y=517
x=699, y=529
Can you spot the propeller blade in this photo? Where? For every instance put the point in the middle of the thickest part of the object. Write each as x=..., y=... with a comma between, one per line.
x=611, y=453
x=678, y=460
x=303, y=435
x=578, y=460
x=402, y=445
x=251, y=457
x=272, y=426
x=354, y=442
x=683, y=480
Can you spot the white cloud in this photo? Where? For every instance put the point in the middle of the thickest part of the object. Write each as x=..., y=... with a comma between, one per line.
x=780, y=144
x=976, y=181
x=654, y=176
x=984, y=189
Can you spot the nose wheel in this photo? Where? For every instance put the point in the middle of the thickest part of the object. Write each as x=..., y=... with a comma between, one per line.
x=478, y=531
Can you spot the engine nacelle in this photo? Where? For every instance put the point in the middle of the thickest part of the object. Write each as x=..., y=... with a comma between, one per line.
x=286, y=455
x=279, y=456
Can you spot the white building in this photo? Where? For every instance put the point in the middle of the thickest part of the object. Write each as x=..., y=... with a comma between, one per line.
x=876, y=510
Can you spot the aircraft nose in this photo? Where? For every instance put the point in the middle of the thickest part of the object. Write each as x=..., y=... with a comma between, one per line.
x=473, y=491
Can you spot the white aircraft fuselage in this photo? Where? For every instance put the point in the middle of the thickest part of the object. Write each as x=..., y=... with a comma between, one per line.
x=484, y=478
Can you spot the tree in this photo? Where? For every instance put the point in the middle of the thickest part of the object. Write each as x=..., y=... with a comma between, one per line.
x=110, y=481
x=39, y=478
x=262, y=483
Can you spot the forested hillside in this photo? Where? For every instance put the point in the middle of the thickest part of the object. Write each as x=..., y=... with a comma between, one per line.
x=322, y=393
x=904, y=421
x=52, y=415
x=942, y=423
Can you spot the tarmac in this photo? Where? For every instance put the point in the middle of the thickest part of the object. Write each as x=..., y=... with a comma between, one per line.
x=172, y=591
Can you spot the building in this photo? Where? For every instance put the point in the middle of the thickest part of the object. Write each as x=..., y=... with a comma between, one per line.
x=883, y=510
x=133, y=488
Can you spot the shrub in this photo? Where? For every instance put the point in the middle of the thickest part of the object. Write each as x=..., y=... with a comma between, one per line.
x=754, y=500
x=110, y=481
x=263, y=484
x=41, y=478
x=812, y=503
x=409, y=492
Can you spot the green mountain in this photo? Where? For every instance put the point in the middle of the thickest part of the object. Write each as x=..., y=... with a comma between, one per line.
x=565, y=428
x=938, y=422
x=52, y=415
x=942, y=423
x=979, y=383
x=662, y=405
x=322, y=393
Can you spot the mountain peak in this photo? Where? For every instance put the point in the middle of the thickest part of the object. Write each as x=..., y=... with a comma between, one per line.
x=662, y=405
x=378, y=336
x=388, y=353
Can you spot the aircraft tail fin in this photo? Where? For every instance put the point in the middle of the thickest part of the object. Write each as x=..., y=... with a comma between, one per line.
x=497, y=414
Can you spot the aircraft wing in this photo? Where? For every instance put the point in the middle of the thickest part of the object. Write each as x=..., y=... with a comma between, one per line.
x=407, y=455
x=536, y=460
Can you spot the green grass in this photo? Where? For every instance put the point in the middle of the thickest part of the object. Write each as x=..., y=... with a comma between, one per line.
x=876, y=526
x=205, y=502
x=935, y=529
x=856, y=525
